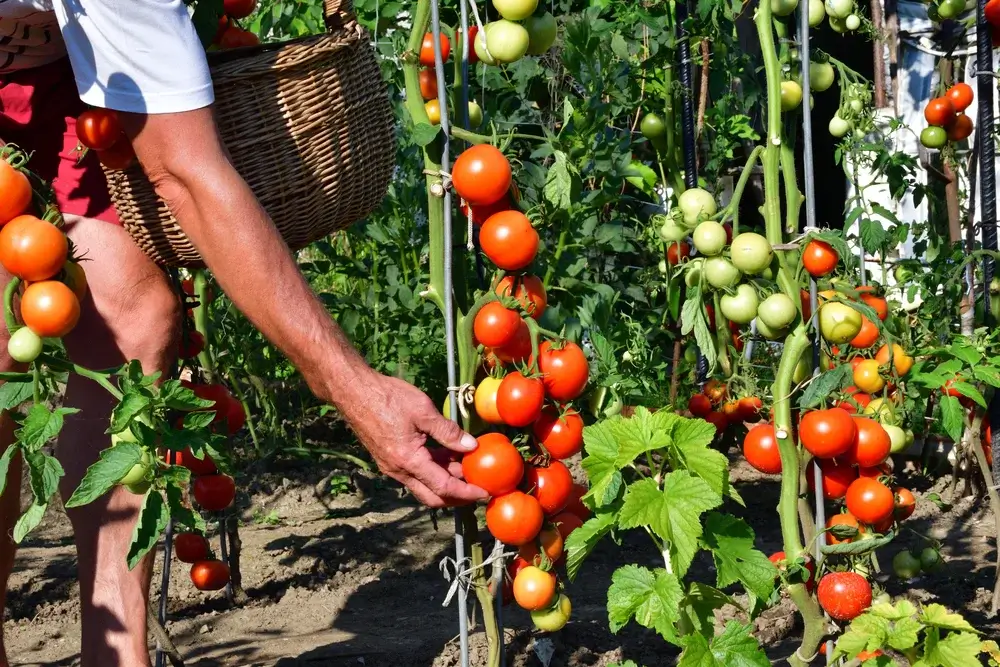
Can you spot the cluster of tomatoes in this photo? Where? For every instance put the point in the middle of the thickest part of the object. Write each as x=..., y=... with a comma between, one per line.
x=38, y=252
x=214, y=492
x=843, y=16
x=229, y=34
x=100, y=130
x=945, y=10
x=522, y=30
x=946, y=119
x=534, y=504
x=428, y=78
x=715, y=406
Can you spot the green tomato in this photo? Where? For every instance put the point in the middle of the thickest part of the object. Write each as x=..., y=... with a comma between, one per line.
x=693, y=271
x=791, y=95
x=720, y=273
x=742, y=306
x=906, y=565
x=555, y=617
x=783, y=7
x=838, y=322
x=777, y=311
x=507, y=41
x=751, y=253
x=930, y=559
x=515, y=10
x=767, y=332
x=696, y=204
x=709, y=238
x=909, y=437
x=804, y=368
x=672, y=232
x=480, y=46
x=137, y=473
x=838, y=25
x=690, y=354
x=128, y=435
x=817, y=12
x=901, y=272
x=839, y=127
x=934, y=137
x=821, y=76
x=24, y=345
x=852, y=22
x=652, y=126
x=882, y=410
x=542, y=31
x=839, y=9
x=950, y=9
x=897, y=438
x=475, y=114
x=662, y=266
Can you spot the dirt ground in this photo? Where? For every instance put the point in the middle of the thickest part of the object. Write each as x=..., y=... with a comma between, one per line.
x=354, y=579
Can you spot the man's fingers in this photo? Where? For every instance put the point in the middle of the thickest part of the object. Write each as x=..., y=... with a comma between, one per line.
x=423, y=494
x=445, y=485
x=444, y=431
x=448, y=460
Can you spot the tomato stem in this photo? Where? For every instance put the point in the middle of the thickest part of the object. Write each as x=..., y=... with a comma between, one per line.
x=732, y=211
x=8, y=305
x=100, y=377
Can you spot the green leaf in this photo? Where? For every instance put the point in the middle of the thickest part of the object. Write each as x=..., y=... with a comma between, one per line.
x=735, y=647
x=178, y=397
x=731, y=542
x=673, y=514
x=961, y=349
x=637, y=435
x=206, y=20
x=692, y=439
x=422, y=134
x=41, y=425
x=153, y=519
x=825, y=384
x=185, y=515
x=970, y=391
x=601, y=448
x=858, y=547
x=958, y=649
x=132, y=404
x=952, y=417
x=8, y=454
x=893, y=612
x=45, y=472
x=904, y=634
x=652, y=598
x=13, y=394
x=693, y=319
x=113, y=464
x=28, y=521
x=873, y=236
x=559, y=182
x=584, y=539
x=641, y=177
x=938, y=616
x=198, y=420
x=701, y=601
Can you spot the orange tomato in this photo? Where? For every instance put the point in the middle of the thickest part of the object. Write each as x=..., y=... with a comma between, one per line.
x=845, y=519
x=900, y=359
x=15, y=192
x=868, y=335
x=50, y=309
x=940, y=111
x=960, y=95
x=32, y=249
x=427, y=49
x=433, y=109
x=878, y=304
x=428, y=83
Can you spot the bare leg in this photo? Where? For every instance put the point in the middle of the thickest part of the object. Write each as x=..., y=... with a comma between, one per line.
x=10, y=506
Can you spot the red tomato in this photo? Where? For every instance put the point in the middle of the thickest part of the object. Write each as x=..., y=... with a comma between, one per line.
x=520, y=399
x=210, y=575
x=514, y=518
x=518, y=349
x=198, y=467
x=871, y=445
x=565, y=370
x=868, y=335
x=428, y=84
x=575, y=504
x=699, y=405
x=760, y=448
x=509, y=240
x=495, y=466
x=566, y=522
x=875, y=472
x=992, y=11
x=827, y=433
x=961, y=129
x=481, y=175
x=235, y=37
x=844, y=595
x=678, y=252
x=32, y=249
x=905, y=503
x=960, y=95
x=191, y=345
x=940, y=111
x=949, y=389
x=837, y=477
x=870, y=500
x=528, y=290
x=878, y=304
x=551, y=543
x=239, y=9
x=719, y=420
x=119, y=157
x=551, y=485
x=190, y=547
x=228, y=411
x=750, y=408
x=214, y=492
x=715, y=390
x=846, y=519
x=494, y=325
x=819, y=259
x=859, y=398
x=560, y=434
x=427, y=50
x=98, y=129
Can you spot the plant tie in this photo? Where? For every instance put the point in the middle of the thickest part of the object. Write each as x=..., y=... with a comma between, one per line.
x=460, y=573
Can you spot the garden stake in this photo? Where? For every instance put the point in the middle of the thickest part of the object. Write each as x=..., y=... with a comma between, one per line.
x=168, y=543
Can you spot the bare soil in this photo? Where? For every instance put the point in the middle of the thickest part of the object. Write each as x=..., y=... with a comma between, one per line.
x=354, y=579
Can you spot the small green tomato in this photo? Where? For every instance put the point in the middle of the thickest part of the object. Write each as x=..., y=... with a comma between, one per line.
x=24, y=345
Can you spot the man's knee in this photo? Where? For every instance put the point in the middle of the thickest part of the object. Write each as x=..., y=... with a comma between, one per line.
x=148, y=329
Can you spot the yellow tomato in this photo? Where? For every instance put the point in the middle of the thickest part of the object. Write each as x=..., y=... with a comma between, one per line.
x=486, y=400
x=433, y=108
x=867, y=377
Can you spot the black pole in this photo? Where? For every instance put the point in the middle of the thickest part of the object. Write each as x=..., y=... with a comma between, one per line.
x=687, y=103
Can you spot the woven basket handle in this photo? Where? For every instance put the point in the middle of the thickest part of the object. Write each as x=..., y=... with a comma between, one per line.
x=336, y=13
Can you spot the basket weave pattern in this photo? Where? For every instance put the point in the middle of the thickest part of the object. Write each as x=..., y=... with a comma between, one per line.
x=308, y=124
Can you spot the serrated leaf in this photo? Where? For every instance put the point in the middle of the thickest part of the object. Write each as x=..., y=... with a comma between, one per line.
x=952, y=417
x=866, y=633
x=13, y=394
x=960, y=349
x=958, y=649
x=8, y=454
x=673, y=514
x=152, y=520
x=28, y=521
x=41, y=425
x=825, y=384
x=858, y=547
x=873, y=236
x=696, y=456
x=904, y=634
x=423, y=134
x=893, y=612
x=735, y=647
x=182, y=513
x=198, y=420
x=178, y=397
x=651, y=597
x=584, y=539
x=938, y=616
x=131, y=405
x=113, y=464
x=558, y=189
x=701, y=601
x=44, y=472
x=601, y=449
x=731, y=542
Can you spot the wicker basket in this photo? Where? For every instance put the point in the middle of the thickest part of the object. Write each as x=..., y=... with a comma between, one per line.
x=307, y=123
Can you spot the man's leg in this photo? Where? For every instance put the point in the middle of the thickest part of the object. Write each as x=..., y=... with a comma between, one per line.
x=131, y=313
x=10, y=505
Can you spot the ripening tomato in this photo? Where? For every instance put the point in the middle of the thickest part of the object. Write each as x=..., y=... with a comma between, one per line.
x=837, y=477
x=528, y=290
x=760, y=447
x=905, y=503
x=867, y=377
x=566, y=522
x=940, y=111
x=960, y=95
x=235, y=37
x=428, y=84
x=719, y=420
x=509, y=240
x=699, y=405
x=210, y=575
x=495, y=466
x=575, y=504
x=870, y=500
x=855, y=400
x=120, y=156
x=494, y=325
x=961, y=129
x=551, y=543
x=481, y=175
x=871, y=446
x=50, y=309
x=819, y=258
x=190, y=345
x=518, y=349
x=98, y=129
x=534, y=588
x=827, y=433
x=32, y=249
x=190, y=547
x=485, y=400
x=520, y=399
x=427, y=49
x=845, y=519
x=844, y=595
x=750, y=408
x=868, y=335
x=560, y=434
x=433, y=110
x=198, y=467
x=551, y=485
x=15, y=192
x=715, y=390
x=878, y=304
x=731, y=409
x=564, y=369
x=900, y=360
x=514, y=518
x=214, y=492
x=678, y=252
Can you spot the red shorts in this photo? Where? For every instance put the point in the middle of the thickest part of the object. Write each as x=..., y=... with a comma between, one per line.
x=38, y=110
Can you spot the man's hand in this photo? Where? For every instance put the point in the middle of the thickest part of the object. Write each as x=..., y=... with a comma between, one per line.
x=393, y=420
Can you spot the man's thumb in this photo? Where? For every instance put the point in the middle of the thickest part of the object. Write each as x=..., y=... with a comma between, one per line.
x=447, y=433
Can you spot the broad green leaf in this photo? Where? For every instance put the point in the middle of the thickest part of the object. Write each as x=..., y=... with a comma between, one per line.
x=131, y=405
x=198, y=420
x=701, y=602
x=107, y=471
x=857, y=638
x=559, y=182
x=13, y=394
x=206, y=20
x=988, y=375
x=178, y=397
x=584, y=539
x=641, y=177
x=952, y=417
x=873, y=236
x=152, y=520
x=958, y=649
x=819, y=390
x=182, y=513
x=8, y=454
x=601, y=449
x=636, y=436
x=731, y=542
x=904, y=634
x=651, y=597
x=939, y=617
x=698, y=458
x=735, y=647
x=961, y=349
x=45, y=472
x=423, y=134
x=28, y=521
x=893, y=612
x=673, y=514
x=41, y=425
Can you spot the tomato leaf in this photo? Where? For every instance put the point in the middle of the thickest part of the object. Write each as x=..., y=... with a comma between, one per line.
x=45, y=472
x=651, y=597
x=13, y=394
x=641, y=177
x=582, y=541
x=422, y=134
x=970, y=391
x=131, y=405
x=873, y=236
x=28, y=521
x=858, y=547
x=693, y=319
x=198, y=420
x=958, y=649
x=825, y=384
x=938, y=616
x=559, y=182
x=185, y=515
x=41, y=425
x=961, y=349
x=673, y=514
x=731, y=542
x=735, y=647
x=153, y=519
x=107, y=471
x=206, y=20
x=952, y=417
x=8, y=454
x=178, y=397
